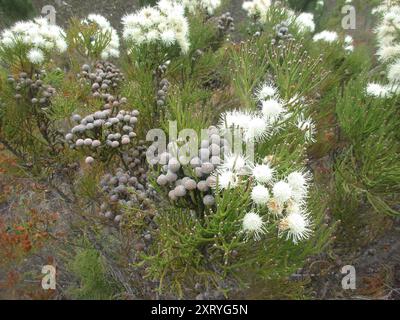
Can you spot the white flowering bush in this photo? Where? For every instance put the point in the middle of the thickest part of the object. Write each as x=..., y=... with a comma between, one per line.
x=31, y=43
x=164, y=25
x=190, y=164
x=388, y=53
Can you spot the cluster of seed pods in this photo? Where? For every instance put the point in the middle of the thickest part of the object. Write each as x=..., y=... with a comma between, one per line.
x=225, y=23
x=162, y=92
x=103, y=130
x=127, y=188
x=39, y=93
x=194, y=180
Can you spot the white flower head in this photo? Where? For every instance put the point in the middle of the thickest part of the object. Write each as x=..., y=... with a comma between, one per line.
x=260, y=195
x=35, y=56
x=266, y=91
x=253, y=225
x=272, y=109
x=377, y=90
x=305, y=22
x=225, y=179
x=327, y=36
x=263, y=173
x=282, y=192
x=235, y=162
x=297, y=226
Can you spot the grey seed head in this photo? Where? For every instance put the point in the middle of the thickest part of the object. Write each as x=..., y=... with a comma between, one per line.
x=89, y=160
x=207, y=168
x=132, y=135
x=190, y=184
x=195, y=162
x=162, y=180
x=204, y=154
x=115, y=144
x=34, y=100
x=95, y=86
x=89, y=118
x=135, y=113
x=208, y=200
x=215, y=149
x=174, y=165
x=133, y=120
x=98, y=123
x=76, y=117
x=123, y=179
x=109, y=215
x=127, y=118
x=113, y=181
x=96, y=143
x=164, y=158
x=127, y=128
x=203, y=186
x=89, y=126
x=123, y=100
x=180, y=191
x=88, y=142
x=125, y=140
x=211, y=181
x=198, y=172
x=172, y=195
x=215, y=138
x=79, y=142
x=69, y=136
x=118, y=218
x=171, y=176
x=215, y=160
x=204, y=144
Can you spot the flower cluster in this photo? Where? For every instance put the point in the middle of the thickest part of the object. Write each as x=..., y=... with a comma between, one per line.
x=208, y=6
x=326, y=36
x=165, y=23
x=388, y=52
x=257, y=9
x=129, y=186
x=103, y=79
x=36, y=39
x=193, y=178
x=103, y=130
x=305, y=22
x=104, y=29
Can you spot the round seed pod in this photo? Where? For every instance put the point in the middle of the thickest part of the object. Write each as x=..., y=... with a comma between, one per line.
x=204, y=144
x=215, y=160
x=96, y=143
x=89, y=126
x=215, y=139
x=207, y=168
x=79, y=142
x=125, y=140
x=198, y=172
x=118, y=218
x=208, y=200
x=211, y=181
x=123, y=179
x=174, y=165
x=171, y=176
x=88, y=142
x=34, y=100
x=180, y=191
x=69, y=136
x=195, y=162
x=109, y=215
x=215, y=149
x=172, y=195
x=114, y=144
x=203, y=186
x=162, y=180
x=190, y=184
x=204, y=154
x=89, y=160
x=164, y=158
x=76, y=117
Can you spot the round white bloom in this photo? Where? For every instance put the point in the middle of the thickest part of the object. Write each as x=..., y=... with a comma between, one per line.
x=226, y=179
x=262, y=173
x=260, y=195
x=257, y=8
x=258, y=130
x=253, y=225
x=282, y=191
x=297, y=180
x=235, y=162
x=272, y=109
x=265, y=91
x=308, y=127
x=394, y=72
x=297, y=226
x=327, y=36
x=35, y=56
x=377, y=90
x=305, y=22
